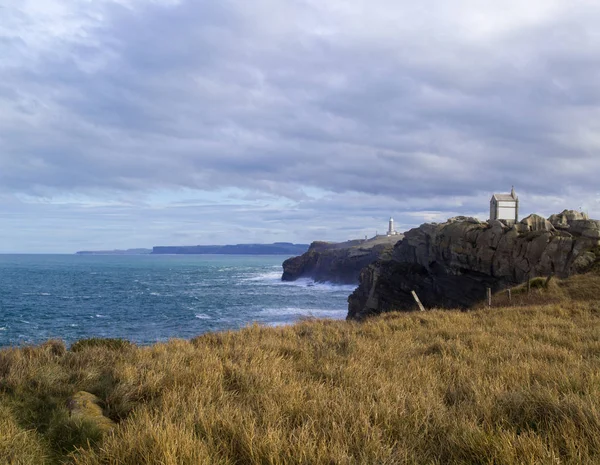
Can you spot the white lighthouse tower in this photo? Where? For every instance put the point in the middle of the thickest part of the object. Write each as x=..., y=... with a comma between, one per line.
x=391, y=230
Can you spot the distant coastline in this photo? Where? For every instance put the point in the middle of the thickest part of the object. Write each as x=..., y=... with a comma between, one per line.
x=115, y=252
x=277, y=248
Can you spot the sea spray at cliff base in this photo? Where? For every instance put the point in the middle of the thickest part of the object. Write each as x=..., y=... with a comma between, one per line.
x=147, y=299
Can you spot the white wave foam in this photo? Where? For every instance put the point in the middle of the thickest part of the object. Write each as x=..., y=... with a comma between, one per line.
x=98, y=315
x=319, y=286
x=203, y=316
x=2, y=328
x=155, y=293
x=306, y=312
x=327, y=286
x=273, y=278
x=45, y=293
x=276, y=324
x=269, y=276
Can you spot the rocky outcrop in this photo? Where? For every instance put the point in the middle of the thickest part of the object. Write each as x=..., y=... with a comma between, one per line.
x=451, y=264
x=338, y=262
x=564, y=219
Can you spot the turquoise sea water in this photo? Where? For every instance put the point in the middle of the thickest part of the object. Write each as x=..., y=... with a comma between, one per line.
x=150, y=298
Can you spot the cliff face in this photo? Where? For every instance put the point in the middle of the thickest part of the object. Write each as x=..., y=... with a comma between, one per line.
x=337, y=262
x=451, y=264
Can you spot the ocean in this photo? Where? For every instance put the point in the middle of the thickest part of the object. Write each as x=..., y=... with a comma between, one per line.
x=151, y=298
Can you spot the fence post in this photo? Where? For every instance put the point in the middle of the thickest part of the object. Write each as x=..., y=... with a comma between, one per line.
x=414, y=294
x=509, y=292
x=489, y=296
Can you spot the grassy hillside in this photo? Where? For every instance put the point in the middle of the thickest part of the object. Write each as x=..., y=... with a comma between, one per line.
x=514, y=385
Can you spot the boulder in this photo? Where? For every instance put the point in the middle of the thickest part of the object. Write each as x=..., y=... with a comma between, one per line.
x=564, y=219
x=534, y=223
x=586, y=228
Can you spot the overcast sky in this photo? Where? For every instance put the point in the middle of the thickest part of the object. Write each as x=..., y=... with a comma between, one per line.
x=133, y=123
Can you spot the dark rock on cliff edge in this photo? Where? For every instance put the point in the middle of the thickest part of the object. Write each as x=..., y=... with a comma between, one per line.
x=338, y=262
x=451, y=264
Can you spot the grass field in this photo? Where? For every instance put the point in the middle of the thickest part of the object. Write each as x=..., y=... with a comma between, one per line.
x=507, y=385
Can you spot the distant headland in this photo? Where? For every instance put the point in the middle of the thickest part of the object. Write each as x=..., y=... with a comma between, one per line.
x=277, y=248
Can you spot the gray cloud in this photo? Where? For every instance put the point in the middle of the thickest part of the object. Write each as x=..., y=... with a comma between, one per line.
x=382, y=106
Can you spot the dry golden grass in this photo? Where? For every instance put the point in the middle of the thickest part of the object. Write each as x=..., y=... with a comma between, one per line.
x=583, y=287
x=502, y=386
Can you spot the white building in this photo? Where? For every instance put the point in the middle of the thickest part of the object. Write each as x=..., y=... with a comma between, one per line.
x=505, y=207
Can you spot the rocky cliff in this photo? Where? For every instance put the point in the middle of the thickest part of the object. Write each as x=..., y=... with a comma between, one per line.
x=451, y=264
x=338, y=262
